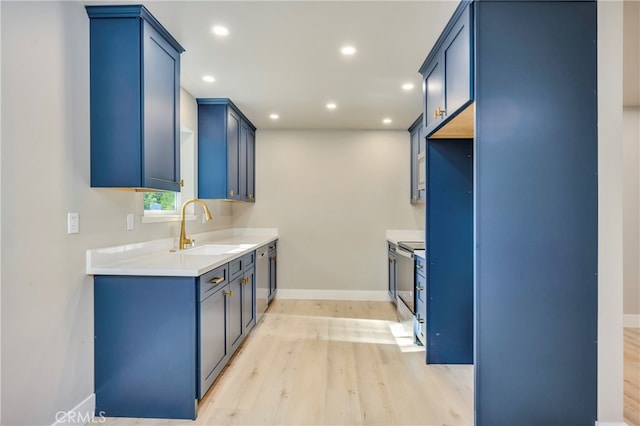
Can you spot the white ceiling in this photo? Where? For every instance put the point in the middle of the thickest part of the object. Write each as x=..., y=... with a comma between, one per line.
x=284, y=57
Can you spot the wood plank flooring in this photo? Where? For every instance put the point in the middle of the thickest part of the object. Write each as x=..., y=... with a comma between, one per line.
x=632, y=376
x=332, y=363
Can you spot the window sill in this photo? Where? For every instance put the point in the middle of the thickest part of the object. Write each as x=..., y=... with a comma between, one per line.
x=159, y=218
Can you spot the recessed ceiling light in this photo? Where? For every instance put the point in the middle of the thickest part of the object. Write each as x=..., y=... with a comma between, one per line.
x=386, y=120
x=348, y=50
x=274, y=116
x=208, y=78
x=407, y=86
x=331, y=105
x=220, y=30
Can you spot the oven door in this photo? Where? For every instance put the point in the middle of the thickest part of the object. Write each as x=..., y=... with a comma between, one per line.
x=406, y=278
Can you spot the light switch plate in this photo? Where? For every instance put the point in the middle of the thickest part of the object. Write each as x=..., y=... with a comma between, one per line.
x=130, y=221
x=73, y=223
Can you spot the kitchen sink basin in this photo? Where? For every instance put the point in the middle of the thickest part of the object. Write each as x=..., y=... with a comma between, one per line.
x=217, y=250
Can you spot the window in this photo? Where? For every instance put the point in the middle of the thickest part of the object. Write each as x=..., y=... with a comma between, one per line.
x=165, y=206
x=161, y=201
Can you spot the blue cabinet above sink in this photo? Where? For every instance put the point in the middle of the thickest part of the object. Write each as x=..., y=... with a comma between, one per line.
x=135, y=98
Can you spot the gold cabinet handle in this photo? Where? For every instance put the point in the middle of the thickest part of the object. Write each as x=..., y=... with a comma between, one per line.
x=181, y=182
x=419, y=288
x=415, y=198
x=229, y=293
x=419, y=266
x=216, y=280
x=250, y=196
x=439, y=112
x=231, y=193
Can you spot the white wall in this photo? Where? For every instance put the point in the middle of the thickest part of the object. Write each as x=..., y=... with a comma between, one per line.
x=610, y=241
x=631, y=212
x=332, y=195
x=47, y=300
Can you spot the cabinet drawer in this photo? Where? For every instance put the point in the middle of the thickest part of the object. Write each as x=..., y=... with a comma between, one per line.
x=249, y=260
x=213, y=281
x=236, y=267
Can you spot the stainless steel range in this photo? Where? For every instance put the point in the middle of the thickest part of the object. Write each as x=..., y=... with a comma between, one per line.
x=406, y=283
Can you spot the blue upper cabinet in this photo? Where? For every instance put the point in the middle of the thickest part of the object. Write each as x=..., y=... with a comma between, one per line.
x=135, y=97
x=226, y=151
x=417, y=162
x=448, y=72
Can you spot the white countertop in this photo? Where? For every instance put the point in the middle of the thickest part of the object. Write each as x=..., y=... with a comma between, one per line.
x=160, y=258
x=395, y=235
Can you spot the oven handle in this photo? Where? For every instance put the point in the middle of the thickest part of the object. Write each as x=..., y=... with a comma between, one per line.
x=404, y=253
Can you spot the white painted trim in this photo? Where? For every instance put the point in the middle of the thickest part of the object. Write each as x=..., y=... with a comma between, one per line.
x=631, y=321
x=610, y=423
x=81, y=414
x=361, y=295
x=159, y=217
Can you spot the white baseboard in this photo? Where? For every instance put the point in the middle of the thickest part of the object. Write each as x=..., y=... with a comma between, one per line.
x=631, y=321
x=81, y=414
x=361, y=295
x=610, y=423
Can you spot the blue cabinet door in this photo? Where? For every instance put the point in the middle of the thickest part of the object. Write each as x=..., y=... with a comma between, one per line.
x=248, y=300
x=251, y=166
x=161, y=70
x=456, y=54
x=134, y=79
x=418, y=145
x=213, y=345
x=233, y=154
x=392, y=273
x=273, y=273
x=234, y=314
x=434, y=94
x=212, y=150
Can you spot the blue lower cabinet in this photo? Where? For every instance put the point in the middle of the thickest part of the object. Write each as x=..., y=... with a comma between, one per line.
x=145, y=346
x=234, y=313
x=160, y=342
x=248, y=300
x=421, y=310
x=212, y=344
x=392, y=272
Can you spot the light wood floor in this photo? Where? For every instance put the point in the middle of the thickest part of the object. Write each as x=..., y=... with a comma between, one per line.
x=632, y=376
x=332, y=363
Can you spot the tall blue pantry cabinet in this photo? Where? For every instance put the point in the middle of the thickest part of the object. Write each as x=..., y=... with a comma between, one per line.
x=532, y=247
x=135, y=98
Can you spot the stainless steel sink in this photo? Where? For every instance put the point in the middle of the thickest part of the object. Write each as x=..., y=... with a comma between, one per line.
x=216, y=249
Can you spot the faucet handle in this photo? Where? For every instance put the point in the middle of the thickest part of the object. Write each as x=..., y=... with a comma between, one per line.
x=192, y=242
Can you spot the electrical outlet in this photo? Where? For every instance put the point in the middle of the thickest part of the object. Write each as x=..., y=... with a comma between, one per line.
x=130, y=221
x=73, y=223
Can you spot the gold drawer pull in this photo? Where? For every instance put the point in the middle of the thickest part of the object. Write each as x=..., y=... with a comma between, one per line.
x=229, y=293
x=216, y=280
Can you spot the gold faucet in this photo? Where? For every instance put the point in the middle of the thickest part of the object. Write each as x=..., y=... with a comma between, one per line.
x=184, y=241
